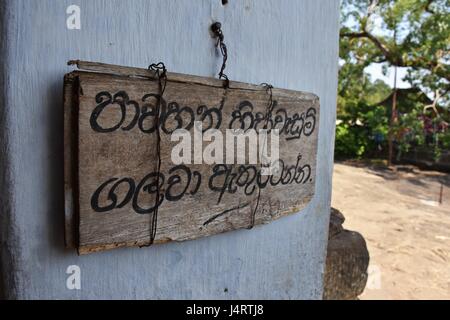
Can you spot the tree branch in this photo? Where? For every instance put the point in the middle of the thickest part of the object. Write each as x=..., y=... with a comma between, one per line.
x=432, y=66
x=394, y=59
x=387, y=54
x=437, y=96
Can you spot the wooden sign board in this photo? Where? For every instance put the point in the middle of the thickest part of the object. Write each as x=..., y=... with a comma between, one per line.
x=111, y=176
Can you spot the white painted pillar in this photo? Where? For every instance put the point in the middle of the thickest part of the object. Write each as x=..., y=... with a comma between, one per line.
x=288, y=43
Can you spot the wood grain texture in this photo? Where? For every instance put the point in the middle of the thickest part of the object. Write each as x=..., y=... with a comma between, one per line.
x=192, y=205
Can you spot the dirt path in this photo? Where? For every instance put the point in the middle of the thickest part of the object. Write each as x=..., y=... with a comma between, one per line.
x=407, y=231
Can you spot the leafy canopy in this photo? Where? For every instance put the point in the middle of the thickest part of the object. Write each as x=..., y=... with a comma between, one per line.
x=414, y=34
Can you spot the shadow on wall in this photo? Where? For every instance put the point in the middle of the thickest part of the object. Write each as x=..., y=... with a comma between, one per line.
x=55, y=141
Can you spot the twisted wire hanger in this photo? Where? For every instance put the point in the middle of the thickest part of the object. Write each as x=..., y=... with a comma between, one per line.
x=161, y=75
x=269, y=109
x=216, y=28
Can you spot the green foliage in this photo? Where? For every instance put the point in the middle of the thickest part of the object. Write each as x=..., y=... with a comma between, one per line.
x=405, y=33
x=350, y=143
x=409, y=130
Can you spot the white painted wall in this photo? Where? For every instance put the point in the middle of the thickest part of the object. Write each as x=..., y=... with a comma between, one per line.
x=289, y=43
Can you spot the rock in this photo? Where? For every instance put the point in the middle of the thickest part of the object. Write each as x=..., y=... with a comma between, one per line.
x=347, y=261
x=336, y=221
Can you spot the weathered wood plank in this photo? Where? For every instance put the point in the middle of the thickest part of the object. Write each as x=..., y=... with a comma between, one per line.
x=116, y=158
x=173, y=77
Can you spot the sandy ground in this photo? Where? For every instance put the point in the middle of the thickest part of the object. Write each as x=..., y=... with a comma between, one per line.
x=407, y=231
